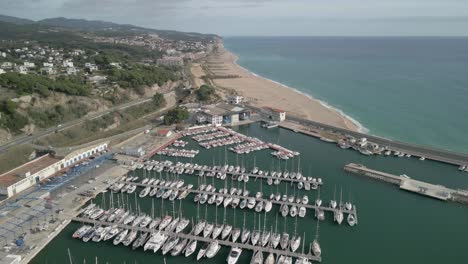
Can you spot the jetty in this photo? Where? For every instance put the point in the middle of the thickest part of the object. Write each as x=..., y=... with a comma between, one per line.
x=405, y=183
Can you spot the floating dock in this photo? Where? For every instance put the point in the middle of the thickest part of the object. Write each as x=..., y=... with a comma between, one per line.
x=245, y=246
x=405, y=183
x=308, y=206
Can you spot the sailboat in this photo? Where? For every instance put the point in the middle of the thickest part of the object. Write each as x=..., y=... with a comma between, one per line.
x=318, y=201
x=275, y=237
x=218, y=227
x=235, y=231
x=284, y=242
x=315, y=244
x=254, y=238
x=295, y=240
x=333, y=203
x=257, y=258
x=245, y=232
x=227, y=228
x=338, y=213
x=234, y=255
x=265, y=237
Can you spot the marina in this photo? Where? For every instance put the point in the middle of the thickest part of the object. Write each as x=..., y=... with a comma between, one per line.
x=336, y=241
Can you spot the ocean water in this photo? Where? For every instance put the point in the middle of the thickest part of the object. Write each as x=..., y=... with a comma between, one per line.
x=413, y=89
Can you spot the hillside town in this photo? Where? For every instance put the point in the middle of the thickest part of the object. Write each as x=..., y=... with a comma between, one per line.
x=29, y=57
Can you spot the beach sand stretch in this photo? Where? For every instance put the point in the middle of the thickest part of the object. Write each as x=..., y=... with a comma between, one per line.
x=262, y=92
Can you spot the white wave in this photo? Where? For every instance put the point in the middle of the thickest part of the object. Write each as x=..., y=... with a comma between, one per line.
x=361, y=128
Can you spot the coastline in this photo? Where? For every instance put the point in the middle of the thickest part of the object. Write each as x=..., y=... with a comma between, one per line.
x=261, y=91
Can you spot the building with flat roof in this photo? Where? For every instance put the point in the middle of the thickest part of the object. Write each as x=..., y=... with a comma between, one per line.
x=28, y=174
x=37, y=170
x=223, y=114
x=274, y=114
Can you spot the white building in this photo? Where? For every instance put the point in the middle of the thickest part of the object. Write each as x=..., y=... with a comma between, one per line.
x=2, y=71
x=235, y=99
x=48, y=70
x=274, y=114
x=71, y=70
x=68, y=64
x=6, y=65
x=29, y=64
x=48, y=64
x=37, y=170
x=21, y=69
x=28, y=174
x=3, y=54
x=91, y=67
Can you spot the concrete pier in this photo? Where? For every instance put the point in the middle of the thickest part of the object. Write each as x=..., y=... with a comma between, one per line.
x=405, y=183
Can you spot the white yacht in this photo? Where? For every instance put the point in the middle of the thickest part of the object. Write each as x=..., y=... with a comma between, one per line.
x=235, y=234
x=226, y=232
x=351, y=219
x=234, y=255
x=295, y=243
x=191, y=247
x=213, y=249
x=202, y=251
x=208, y=229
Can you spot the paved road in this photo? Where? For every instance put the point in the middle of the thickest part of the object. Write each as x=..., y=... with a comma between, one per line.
x=26, y=139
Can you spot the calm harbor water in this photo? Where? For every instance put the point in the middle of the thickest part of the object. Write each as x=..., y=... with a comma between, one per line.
x=413, y=89
x=394, y=226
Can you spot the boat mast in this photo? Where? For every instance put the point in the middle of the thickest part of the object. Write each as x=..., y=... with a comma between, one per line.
x=69, y=256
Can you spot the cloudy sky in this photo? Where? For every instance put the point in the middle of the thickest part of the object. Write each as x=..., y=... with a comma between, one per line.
x=263, y=17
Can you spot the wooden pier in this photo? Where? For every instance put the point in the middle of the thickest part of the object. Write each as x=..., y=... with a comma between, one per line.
x=245, y=246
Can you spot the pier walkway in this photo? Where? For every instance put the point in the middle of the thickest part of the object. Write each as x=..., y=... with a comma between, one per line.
x=308, y=206
x=405, y=183
x=246, y=246
x=251, y=175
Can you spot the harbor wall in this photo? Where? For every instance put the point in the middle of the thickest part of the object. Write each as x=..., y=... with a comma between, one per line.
x=408, y=148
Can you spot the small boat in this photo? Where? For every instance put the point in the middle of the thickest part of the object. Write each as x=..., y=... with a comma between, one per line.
x=339, y=216
x=202, y=251
x=251, y=203
x=213, y=249
x=208, y=229
x=245, y=235
x=170, y=244
x=217, y=231
x=316, y=248
x=265, y=238
x=295, y=243
x=305, y=199
x=293, y=211
x=284, y=242
x=165, y=222
x=351, y=219
x=302, y=211
x=243, y=204
x=270, y=259
x=268, y=206
x=226, y=232
x=275, y=239
x=257, y=258
x=255, y=237
x=235, y=234
x=120, y=237
x=140, y=241
x=259, y=207
x=191, y=247
x=183, y=223
x=234, y=255
x=81, y=231
x=198, y=228
x=284, y=210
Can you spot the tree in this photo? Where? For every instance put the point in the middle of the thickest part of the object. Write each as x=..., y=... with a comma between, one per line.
x=205, y=92
x=159, y=100
x=176, y=115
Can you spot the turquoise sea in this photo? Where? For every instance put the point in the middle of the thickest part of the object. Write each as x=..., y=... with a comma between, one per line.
x=413, y=89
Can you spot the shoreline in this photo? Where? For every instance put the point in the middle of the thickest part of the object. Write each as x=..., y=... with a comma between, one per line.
x=360, y=127
x=267, y=92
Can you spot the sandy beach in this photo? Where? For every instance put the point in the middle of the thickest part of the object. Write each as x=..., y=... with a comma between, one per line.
x=263, y=92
